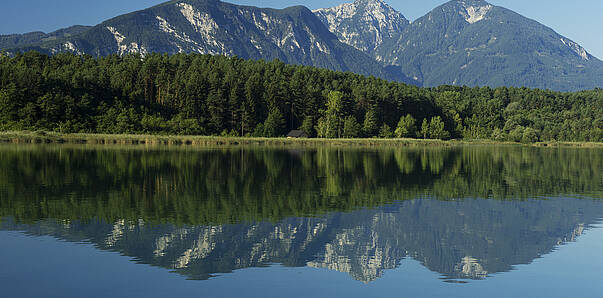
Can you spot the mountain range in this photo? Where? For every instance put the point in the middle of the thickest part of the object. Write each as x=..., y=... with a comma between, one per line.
x=462, y=42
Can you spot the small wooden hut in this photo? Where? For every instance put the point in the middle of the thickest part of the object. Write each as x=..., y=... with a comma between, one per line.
x=296, y=134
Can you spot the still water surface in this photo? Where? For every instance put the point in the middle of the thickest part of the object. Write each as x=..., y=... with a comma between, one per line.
x=85, y=221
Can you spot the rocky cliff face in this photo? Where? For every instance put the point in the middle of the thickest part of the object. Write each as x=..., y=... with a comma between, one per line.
x=364, y=24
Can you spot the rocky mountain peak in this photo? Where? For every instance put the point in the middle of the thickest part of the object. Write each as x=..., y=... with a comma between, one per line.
x=371, y=2
x=463, y=42
x=363, y=24
x=474, y=10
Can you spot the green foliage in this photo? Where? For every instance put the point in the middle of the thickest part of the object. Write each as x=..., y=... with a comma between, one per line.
x=385, y=132
x=369, y=126
x=436, y=129
x=425, y=128
x=351, y=127
x=529, y=136
x=308, y=126
x=406, y=127
x=258, y=131
x=185, y=186
x=498, y=135
x=330, y=125
x=182, y=126
x=516, y=135
x=274, y=124
x=214, y=95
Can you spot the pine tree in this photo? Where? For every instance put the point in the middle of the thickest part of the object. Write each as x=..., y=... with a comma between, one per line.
x=308, y=126
x=369, y=126
x=425, y=128
x=274, y=124
x=351, y=127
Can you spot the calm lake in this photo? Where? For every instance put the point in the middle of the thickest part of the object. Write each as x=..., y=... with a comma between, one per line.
x=103, y=221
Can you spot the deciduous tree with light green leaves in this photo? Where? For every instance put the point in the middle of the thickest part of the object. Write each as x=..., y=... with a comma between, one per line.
x=385, y=132
x=425, y=128
x=406, y=127
x=308, y=126
x=330, y=124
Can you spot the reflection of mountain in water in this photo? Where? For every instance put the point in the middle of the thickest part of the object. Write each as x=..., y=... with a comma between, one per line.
x=460, y=239
x=361, y=211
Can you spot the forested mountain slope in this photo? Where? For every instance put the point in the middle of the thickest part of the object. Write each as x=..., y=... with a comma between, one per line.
x=462, y=42
x=293, y=35
x=474, y=43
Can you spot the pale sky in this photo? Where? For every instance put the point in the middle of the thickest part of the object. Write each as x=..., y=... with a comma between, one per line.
x=581, y=21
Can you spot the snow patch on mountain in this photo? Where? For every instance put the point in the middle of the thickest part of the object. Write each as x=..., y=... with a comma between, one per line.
x=335, y=15
x=118, y=36
x=315, y=43
x=290, y=35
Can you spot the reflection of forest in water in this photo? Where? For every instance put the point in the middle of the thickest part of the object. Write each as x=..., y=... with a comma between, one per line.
x=203, y=212
x=238, y=184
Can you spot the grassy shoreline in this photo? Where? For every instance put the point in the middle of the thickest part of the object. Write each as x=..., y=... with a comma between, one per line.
x=40, y=137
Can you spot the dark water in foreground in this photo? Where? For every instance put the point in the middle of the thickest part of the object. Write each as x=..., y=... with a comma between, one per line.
x=81, y=221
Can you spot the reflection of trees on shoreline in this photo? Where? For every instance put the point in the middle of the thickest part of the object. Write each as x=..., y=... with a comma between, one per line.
x=207, y=211
x=463, y=239
x=215, y=186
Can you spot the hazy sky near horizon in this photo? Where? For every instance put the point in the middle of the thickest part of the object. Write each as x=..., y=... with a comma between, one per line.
x=580, y=21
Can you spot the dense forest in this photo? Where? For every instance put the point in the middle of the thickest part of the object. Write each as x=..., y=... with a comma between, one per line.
x=192, y=94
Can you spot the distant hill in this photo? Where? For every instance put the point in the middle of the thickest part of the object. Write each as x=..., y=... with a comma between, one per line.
x=33, y=38
x=462, y=42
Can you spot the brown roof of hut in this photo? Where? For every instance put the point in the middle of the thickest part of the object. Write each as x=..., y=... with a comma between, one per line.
x=297, y=134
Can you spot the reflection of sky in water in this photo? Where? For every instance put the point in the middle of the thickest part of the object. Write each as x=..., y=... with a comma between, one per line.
x=573, y=270
x=462, y=239
x=234, y=219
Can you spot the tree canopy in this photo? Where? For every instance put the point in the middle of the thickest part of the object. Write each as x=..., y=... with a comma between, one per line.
x=217, y=95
